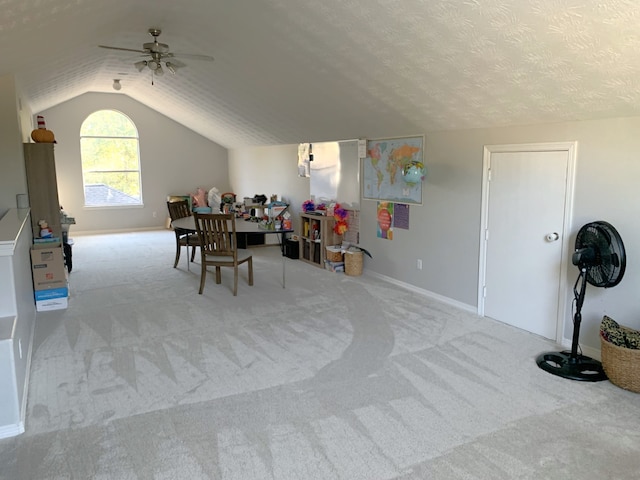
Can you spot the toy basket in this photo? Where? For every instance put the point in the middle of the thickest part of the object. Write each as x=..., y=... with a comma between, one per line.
x=334, y=254
x=622, y=365
x=353, y=263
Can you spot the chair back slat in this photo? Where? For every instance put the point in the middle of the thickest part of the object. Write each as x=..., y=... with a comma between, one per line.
x=184, y=237
x=219, y=248
x=179, y=209
x=217, y=232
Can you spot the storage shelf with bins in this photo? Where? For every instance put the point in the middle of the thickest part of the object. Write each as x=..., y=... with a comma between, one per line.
x=316, y=233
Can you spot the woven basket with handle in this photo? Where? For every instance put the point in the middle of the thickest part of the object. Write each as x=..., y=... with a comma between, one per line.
x=622, y=365
x=353, y=263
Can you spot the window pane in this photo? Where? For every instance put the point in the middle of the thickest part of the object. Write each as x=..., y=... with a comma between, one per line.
x=112, y=188
x=110, y=160
x=109, y=154
x=108, y=123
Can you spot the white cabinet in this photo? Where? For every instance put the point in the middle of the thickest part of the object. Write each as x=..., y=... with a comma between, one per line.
x=17, y=319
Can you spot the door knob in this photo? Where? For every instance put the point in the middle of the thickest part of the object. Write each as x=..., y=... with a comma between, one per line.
x=552, y=237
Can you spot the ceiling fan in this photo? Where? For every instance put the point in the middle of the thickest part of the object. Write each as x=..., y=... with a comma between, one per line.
x=159, y=55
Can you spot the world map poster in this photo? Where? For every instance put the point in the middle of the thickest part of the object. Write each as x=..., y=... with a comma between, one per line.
x=393, y=170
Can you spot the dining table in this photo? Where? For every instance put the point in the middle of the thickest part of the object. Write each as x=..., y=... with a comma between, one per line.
x=243, y=226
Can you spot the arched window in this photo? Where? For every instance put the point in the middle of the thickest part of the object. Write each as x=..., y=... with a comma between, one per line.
x=110, y=160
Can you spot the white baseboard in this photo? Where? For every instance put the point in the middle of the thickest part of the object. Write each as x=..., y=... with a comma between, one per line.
x=566, y=342
x=586, y=349
x=25, y=390
x=426, y=293
x=118, y=230
x=7, y=431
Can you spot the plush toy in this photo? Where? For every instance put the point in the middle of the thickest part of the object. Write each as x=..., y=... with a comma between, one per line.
x=200, y=198
x=45, y=231
x=41, y=134
x=308, y=206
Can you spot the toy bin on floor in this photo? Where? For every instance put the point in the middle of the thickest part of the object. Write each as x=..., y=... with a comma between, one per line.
x=292, y=249
x=621, y=364
x=353, y=263
x=334, y=254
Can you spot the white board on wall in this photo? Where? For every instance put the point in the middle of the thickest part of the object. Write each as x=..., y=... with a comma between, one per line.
x=335, y=173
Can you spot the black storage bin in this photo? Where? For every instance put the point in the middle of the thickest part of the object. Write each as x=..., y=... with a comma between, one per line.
x=68, y=252
x=246, y=239
x=292, y=249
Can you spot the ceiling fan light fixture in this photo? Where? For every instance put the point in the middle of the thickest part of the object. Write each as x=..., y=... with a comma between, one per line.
x=140, y=65
x=116, y=84
x=158, y=53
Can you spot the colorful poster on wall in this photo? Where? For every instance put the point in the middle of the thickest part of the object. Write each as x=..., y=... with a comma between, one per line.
x=385, y=220
x=401, y=216
x=393, y=170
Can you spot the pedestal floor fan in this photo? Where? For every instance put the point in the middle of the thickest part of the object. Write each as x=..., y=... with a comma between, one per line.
x=600, y=256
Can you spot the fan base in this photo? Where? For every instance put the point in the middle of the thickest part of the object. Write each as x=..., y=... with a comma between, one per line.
x=563, y=364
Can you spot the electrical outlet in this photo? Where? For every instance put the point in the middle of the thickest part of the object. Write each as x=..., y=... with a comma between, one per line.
x=155, y=214
x=419, y=264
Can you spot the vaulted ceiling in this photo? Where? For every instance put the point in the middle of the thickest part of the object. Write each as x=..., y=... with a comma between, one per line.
x=289, y=71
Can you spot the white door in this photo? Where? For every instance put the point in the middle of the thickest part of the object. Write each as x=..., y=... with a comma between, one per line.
x=526, y=206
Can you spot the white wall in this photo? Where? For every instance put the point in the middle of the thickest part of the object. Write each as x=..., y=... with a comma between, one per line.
x=14, y=115
x=444, y=232
x=174, y=160
x=267, y=171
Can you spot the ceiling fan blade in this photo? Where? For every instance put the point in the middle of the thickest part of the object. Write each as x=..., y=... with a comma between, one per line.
x=123, y=49
x=176, y=63
x=191, y=56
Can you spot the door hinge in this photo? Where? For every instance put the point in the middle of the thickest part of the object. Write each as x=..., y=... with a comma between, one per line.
x=484, y=291
x=489, y=175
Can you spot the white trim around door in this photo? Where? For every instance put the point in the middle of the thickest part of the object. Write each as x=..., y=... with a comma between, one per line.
x=571, y=149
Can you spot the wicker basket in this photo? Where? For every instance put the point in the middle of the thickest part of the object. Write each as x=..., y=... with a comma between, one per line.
x=353, y=263
x=334, y=254
x=622, y=365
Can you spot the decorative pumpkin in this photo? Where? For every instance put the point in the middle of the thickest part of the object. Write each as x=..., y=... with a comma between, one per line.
x=41, y=134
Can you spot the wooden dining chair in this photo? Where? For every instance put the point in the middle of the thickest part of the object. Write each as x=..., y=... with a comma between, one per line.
x=219, y=247
x=180, y=209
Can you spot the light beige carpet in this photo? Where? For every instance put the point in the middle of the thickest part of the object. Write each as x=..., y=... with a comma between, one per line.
x=334, y=377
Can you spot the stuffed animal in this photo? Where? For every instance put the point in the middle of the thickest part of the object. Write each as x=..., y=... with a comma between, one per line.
x=200, y=198
x=45, y=231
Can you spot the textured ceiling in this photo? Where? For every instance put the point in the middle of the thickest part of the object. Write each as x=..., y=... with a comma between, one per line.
x=289, y=71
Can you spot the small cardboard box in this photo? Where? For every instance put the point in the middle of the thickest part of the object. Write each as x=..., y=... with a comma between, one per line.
x=52, y=304
x=47, y=266
x=334, y=266
x=51, y=293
